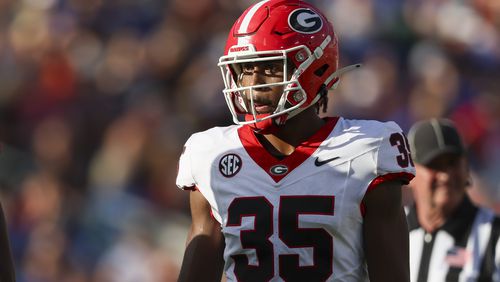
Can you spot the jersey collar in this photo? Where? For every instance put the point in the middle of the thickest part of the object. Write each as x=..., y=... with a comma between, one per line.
x=269, y=163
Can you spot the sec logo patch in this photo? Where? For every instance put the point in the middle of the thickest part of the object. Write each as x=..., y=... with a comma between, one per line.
x=230, y=165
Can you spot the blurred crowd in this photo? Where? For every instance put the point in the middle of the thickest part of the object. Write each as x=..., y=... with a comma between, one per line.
x=97, y=98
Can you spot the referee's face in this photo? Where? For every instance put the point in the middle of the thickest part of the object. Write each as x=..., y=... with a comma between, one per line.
x=442, y=182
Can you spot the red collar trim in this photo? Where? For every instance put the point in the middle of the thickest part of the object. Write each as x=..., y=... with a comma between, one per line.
x=282, y=168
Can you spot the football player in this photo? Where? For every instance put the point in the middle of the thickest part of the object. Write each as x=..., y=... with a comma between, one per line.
x=285, y=195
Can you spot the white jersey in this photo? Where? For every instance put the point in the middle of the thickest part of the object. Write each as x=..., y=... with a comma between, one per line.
x=299, y=218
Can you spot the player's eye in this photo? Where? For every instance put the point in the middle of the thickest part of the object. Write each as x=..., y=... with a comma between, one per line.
x=247, y=68
x=264, y=68
x=273, y=68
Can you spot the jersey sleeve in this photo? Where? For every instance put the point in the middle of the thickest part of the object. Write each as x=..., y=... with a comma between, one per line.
x=393, y=158
x=185, y=179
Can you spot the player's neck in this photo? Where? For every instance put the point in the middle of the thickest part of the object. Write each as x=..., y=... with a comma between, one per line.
x=293, y=133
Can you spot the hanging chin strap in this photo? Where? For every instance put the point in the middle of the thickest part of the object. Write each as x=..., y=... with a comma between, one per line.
x=333, y=76
x=338, y=73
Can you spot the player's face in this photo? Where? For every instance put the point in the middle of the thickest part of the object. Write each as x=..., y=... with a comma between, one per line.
x=442, y=182
x=256, y=73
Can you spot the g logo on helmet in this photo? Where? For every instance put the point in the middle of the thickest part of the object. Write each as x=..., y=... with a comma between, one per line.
x=305, y=21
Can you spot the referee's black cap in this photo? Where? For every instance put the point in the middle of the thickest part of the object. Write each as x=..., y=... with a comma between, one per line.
x=432, y=138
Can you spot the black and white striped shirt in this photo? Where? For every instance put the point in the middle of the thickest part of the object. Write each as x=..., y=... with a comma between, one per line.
x=463, y=249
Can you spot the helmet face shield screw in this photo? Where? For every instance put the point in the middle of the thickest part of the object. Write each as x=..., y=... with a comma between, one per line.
x=300, y=57
x=297, y=97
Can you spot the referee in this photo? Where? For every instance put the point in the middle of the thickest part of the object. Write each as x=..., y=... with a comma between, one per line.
x=451, y=239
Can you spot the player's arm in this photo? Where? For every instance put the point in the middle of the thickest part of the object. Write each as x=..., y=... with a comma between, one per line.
x=6, y=262
x=385, y=234
x=203, y=257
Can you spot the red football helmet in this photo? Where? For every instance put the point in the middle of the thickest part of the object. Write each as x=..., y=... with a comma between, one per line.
x=289, y=30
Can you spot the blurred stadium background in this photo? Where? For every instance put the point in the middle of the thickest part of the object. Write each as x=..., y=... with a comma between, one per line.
x=97, y=98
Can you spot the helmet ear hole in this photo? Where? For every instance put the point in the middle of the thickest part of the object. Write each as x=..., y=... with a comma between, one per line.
x=321, y=70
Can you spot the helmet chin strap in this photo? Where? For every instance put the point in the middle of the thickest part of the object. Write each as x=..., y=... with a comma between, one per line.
x=267, y=126
x=334, y=75
x=340, y=72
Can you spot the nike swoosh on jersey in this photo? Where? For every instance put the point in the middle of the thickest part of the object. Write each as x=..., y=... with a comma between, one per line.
x=317, y=162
